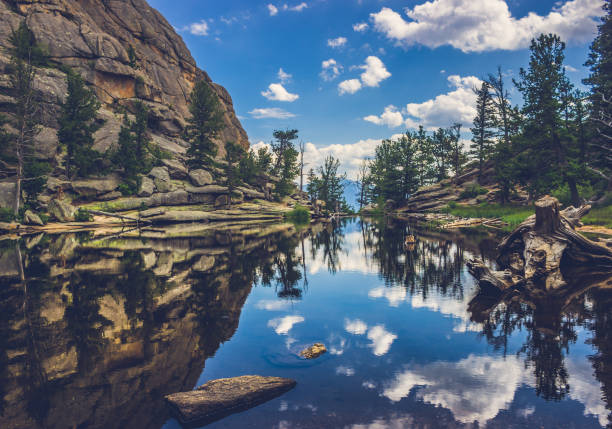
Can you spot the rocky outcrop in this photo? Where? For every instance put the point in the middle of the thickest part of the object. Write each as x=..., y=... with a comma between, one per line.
x=314, y=351
x=220, y=398
x=127, y=52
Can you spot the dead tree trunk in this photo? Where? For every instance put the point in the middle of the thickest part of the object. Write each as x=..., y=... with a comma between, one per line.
x=538, y=253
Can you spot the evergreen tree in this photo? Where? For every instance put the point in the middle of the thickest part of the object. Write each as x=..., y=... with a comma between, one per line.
x=363, y=183
x=264, y=159
x=126, y=157
x=441, y=148
x=289, y=170
x=23, y=46
x=313, y=185
x=599, y=154
x=424, y=157
x=501, y=103
x=203, y=126
x=457, y=154
x=25, y=55
x=331, y=189
x=283, y=142
x=233, y=154
x=77, y=126
x=545, y=144
x=484, y=126
x=407, y=150
x=248, y=169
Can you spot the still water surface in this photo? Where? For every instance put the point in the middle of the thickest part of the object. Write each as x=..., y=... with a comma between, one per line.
x=100, y=329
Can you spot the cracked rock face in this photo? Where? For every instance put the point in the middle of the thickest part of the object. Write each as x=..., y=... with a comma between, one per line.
x=126, y=52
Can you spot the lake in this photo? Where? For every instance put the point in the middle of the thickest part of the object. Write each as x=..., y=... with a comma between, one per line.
x=97, y=327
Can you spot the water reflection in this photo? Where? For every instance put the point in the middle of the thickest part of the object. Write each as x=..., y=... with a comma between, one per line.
x=94, y=331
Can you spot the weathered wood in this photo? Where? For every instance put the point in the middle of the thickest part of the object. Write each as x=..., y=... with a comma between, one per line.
x=115, y=215
x=220, y=398
x=537, y=250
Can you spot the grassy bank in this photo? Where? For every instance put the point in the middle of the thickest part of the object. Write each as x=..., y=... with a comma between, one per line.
x=601, y=216
x=512, y=215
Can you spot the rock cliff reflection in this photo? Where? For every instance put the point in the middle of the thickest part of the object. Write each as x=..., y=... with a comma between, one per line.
x=95, y=330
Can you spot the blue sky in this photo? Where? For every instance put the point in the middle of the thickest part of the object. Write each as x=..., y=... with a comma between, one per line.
x=357, y=71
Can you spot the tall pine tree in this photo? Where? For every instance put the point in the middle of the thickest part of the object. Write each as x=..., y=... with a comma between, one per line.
x=546, y=147
x=599, y=156
x=203, y=126
x=77, y=126
x=483, y=131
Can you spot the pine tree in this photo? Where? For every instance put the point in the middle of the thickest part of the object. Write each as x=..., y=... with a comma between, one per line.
x=441, y=148
x=233, y=154
x=484, y=127
x=599, y=156
x=457, y=154
x=283, y=142
x=424, y=157
x=264, y=159
x=25, y=55
x=77, y=126
x=331, y=189
x=126, y=157
x=203, y=126
x=544, y=143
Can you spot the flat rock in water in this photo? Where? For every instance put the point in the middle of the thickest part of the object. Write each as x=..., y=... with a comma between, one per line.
x=220, y=398
x=314, y=351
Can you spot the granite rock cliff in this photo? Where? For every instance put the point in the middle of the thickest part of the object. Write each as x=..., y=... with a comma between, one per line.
x=127, y=52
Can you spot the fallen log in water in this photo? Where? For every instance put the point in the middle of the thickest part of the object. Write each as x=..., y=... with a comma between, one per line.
x=220, y=398
x=118, y=216
x=544, y=247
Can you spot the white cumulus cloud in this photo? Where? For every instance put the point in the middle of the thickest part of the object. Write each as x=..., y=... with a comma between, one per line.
x=337, y=42
x=374, y=72
x=277, y=92
x=360, y=27
x=271, y=112
x=485, y=25
x=282, y=325
x=283, y=76
x=458, y=105
x=198, y=28
x=273, y=10
x=349, y=86
x=330, y=69
x=391, y=117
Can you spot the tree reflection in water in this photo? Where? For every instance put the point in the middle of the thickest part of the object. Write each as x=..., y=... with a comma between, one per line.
x=98, y=331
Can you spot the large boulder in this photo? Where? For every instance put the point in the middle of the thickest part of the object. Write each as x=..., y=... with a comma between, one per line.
x=94, y=187
x=147, y=187
x=61, y=210
x=204, y=263
x=161, y=178
x=31, y=218
x=176, y=169
x=220, y=398
x=200, y=177
x=222, y=200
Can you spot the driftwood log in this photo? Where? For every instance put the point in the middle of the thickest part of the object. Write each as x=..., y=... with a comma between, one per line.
x=546, y=253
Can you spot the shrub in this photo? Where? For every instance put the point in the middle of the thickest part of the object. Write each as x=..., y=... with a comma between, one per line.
x=472, y=191
x=83, y=215
x=6, y=214
x=299, y=215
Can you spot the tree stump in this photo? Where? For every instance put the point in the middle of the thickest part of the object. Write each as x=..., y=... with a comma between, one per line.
x=546, y=253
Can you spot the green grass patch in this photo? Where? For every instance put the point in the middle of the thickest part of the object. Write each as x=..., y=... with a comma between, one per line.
x=601, y=216
x=299, y=215
x=513, y=215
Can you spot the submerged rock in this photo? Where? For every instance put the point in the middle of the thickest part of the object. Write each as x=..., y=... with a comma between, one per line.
x=314, y=351
x=220, y=398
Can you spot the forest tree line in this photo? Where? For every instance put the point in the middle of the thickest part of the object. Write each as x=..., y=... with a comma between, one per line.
x=559, y=141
